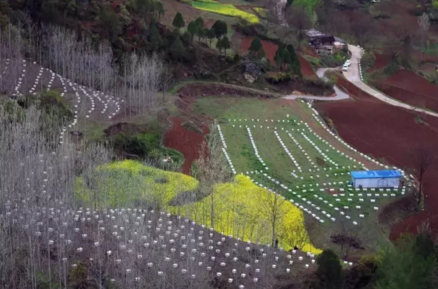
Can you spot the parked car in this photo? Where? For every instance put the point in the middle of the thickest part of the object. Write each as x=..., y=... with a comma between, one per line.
x=348, y=62
x=345, y=67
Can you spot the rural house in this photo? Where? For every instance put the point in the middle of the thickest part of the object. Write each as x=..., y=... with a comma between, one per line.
x=376, y=179
x=322, y=43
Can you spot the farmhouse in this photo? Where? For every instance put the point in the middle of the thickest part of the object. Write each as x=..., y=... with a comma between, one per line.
x=323, y=43
x=376, y=179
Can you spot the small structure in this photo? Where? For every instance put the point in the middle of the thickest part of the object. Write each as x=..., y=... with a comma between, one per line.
x=323, y=43
x=376, y=179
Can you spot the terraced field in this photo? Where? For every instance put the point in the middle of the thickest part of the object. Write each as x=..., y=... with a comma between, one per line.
x=284, y=154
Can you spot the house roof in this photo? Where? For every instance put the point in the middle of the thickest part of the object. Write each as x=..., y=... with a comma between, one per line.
x=380, y=174
x=314, y=33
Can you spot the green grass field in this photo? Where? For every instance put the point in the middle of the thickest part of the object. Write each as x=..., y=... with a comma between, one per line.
x=317, y=170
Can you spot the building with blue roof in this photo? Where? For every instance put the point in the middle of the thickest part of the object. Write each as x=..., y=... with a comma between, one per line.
x=376, y=179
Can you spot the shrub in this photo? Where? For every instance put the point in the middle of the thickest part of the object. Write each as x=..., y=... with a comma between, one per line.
x=55, y=106
x=392, y=68
x=329, y=270
x=190, y=125
x=240, y=210
x=140, y=145
x=276, y=78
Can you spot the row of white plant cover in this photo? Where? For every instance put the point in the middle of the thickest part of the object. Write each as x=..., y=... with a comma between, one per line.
x=106, y=100
x=321, y=151
x=313, y=205
x=178, y=242
x=316, y=117
x=314, y=215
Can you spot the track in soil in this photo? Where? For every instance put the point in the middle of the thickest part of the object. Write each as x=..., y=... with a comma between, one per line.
x=411, y=88
x=390, y=133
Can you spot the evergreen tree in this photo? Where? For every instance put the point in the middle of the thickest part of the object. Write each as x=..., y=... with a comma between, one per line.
x=278, y=57
x=256, y=45
x=178, y=21
x=261, y=53
x=219, y=28
x=236, y=57
x=219, y=45
x=210, y=34
x=155, y=37
x=192, y=29
x=294, y=64
x=225, y=44
x=177, y=49
x=200, y=32
x=406, y=265
x=329, y=270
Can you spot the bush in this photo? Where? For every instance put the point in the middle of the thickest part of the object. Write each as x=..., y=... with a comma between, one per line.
x=392, y=68
x=334, y=60
x=190, y=125
x=329, y=270
x=55, y=106
x=141, y=145
x=276, y=78
x=368, y=60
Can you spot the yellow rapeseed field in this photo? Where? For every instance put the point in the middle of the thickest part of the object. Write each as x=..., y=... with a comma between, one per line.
x=224, y=9
x=244, y=210
x=123, y=183
x=240, y=208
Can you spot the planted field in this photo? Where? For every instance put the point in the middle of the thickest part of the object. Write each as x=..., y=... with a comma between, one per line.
x=285, y=155
x=224, y=9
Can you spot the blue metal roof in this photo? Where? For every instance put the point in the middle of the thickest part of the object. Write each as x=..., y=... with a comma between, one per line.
x=376, y=174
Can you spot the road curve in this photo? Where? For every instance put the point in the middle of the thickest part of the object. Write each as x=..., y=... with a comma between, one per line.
x=353, y=76
x=340, y=95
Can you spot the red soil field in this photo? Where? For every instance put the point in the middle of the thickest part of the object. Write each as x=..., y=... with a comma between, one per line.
x=387, y=132
x=309, y=50
x=270, y=50
x=381, y=61
x=269, y=47
x=209, y=23
x=306, y=68
x=185, y=141
x=410, y=88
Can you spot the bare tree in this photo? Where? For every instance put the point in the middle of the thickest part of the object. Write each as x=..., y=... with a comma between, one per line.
x=211, y=167
x=273, y=209
x=272, y=15
x=423, y=159
x=424, y=23
x=298, y=18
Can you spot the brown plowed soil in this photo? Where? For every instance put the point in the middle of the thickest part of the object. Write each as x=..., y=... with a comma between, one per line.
x=269, y=47
x=390, y=133
x=380, y=62
x=411, y=88
x=306, y=68
x=185, y=141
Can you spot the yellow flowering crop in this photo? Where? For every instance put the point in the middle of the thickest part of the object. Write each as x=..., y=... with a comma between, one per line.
x=225, y=9
x=244, y=210
x=126, y=182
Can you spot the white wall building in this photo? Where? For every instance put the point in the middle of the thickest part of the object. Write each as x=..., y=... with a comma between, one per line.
x=376, y=179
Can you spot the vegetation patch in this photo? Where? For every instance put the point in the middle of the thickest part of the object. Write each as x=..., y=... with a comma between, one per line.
x=244, y=210
x=190, y=125
x=224, y=9
x=130, y=182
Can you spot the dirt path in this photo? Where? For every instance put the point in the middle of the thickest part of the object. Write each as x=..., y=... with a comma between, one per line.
x=317, y=128
x=339, y=94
